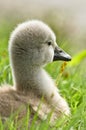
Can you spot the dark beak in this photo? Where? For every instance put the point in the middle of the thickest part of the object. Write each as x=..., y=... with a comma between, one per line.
x=59, y=54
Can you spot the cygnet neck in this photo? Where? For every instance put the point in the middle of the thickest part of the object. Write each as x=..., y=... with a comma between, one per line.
x=26, y=76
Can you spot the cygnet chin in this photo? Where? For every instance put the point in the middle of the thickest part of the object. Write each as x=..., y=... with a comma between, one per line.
x=31, y=46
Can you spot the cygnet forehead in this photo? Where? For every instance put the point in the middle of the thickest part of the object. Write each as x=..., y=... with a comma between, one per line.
x=33, y=31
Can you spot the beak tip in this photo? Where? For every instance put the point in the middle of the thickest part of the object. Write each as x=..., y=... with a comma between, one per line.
x=69, y=58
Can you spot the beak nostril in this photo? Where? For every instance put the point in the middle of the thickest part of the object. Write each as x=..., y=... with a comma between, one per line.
x=60, y=51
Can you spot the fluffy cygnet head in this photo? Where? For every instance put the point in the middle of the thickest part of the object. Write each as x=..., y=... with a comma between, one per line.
x=32, y=42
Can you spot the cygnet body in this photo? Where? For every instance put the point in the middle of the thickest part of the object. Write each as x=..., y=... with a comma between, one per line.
x=33, y=45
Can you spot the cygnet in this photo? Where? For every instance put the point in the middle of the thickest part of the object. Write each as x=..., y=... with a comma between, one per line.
x=32, y=45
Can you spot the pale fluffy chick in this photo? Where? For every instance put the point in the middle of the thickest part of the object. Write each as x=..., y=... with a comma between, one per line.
x=33, y=45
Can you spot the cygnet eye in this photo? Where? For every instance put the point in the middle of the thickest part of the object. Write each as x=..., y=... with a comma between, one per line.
x=49, y=43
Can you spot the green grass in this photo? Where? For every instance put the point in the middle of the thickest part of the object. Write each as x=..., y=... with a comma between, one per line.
x=71, y=81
